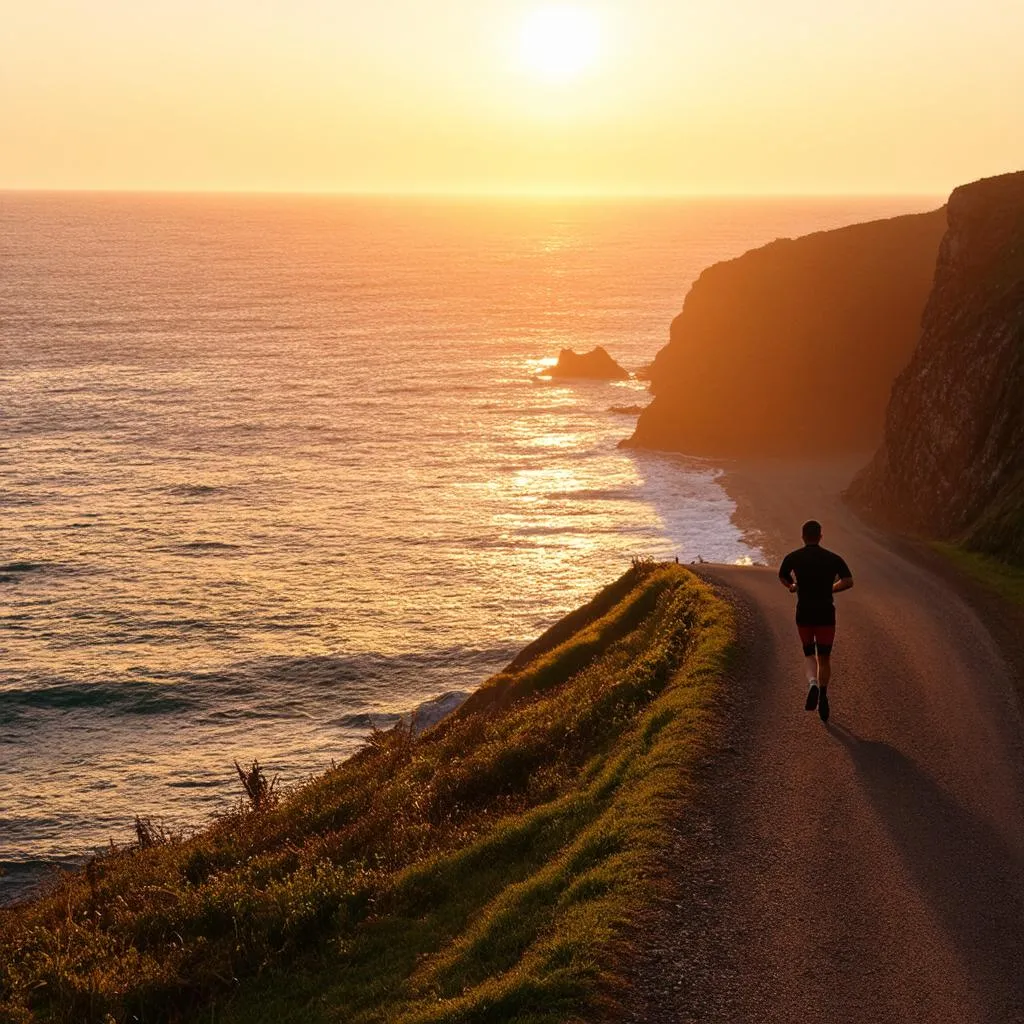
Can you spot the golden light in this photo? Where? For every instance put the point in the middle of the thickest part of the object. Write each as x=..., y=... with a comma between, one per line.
x=560, y=42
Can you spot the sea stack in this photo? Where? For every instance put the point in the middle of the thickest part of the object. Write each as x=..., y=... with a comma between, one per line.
x=791, y=349
x=596, y=364
x=952, y=461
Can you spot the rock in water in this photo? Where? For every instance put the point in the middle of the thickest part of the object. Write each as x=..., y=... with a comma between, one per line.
x=791, y=349
x=430, y=712
x=952, y=461
x=593, y=365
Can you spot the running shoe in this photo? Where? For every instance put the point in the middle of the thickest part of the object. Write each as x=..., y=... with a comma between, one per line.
x=812, y=698
x=823, y=706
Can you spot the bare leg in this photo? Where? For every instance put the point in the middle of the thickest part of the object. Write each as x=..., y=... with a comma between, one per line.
x=811, y=664
x=824, y=669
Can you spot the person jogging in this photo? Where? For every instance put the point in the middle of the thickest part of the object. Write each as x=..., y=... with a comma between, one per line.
x=819, y=574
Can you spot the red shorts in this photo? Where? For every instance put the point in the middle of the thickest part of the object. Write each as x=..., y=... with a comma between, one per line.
x=817, y=638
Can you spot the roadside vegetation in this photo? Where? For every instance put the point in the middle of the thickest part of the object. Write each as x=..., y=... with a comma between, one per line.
x=1004, y=578
x=488, y=869
x=999, y=531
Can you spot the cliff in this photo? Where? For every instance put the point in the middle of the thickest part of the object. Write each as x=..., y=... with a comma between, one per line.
x=952, y=461
x=792, y=348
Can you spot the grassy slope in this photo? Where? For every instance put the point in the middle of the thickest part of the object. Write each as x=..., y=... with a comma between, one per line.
x=481, y=872
x=1001, y=577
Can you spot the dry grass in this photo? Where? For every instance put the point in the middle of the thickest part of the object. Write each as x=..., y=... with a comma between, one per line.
x=482, y=871
x=261, y=791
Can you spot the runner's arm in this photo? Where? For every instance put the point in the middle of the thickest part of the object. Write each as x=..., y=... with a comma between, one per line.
x=786, y=575
x=844, y=578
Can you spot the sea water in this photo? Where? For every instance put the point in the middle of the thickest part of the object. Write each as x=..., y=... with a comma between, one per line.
x=276, y=470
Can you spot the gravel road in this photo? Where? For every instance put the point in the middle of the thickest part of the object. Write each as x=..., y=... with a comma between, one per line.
x=870, y=870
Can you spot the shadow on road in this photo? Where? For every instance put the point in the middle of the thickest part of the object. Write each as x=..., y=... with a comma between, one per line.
x=970, y=876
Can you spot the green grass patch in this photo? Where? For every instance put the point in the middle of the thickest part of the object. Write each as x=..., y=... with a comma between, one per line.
x=999, y=531
x=482, y=871
x=1005, y=579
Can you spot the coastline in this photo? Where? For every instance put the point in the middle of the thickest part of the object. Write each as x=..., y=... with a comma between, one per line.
x=773, y=496
x=236, y=577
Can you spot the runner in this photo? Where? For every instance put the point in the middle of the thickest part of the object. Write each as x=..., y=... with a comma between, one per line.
x=819, y=574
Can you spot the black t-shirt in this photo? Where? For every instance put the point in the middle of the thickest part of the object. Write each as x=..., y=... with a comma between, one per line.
x=816, y=569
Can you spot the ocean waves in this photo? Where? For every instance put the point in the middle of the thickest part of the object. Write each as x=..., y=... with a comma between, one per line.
x=125, y=698
x=265, y=687
x=197, y=491
x=19, y=571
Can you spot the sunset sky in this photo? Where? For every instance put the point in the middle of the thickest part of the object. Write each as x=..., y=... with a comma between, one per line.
x=635, y=96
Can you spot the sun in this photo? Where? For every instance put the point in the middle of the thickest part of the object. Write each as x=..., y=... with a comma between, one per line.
x=560, y=42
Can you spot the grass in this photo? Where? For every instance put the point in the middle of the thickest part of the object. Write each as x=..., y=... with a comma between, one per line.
x=999, y=531
x=1003, y=578
x=484, y=871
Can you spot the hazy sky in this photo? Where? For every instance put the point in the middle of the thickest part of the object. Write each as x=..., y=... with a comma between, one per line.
x=396, y=95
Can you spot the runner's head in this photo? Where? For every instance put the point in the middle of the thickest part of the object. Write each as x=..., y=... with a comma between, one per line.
x=811, y=532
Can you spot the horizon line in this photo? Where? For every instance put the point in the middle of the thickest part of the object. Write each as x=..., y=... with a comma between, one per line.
x=553, y=193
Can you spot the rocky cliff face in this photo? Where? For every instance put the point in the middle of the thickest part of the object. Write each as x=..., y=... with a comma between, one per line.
x=792, y=348
x=952, y=461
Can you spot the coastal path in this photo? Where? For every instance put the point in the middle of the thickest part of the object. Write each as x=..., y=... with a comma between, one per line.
x=870, y=870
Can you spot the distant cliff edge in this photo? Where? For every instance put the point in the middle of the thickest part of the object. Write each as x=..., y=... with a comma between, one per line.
x=792, y=348
x=952, y=461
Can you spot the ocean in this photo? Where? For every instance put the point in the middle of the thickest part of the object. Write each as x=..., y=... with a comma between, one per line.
x=277, y=470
